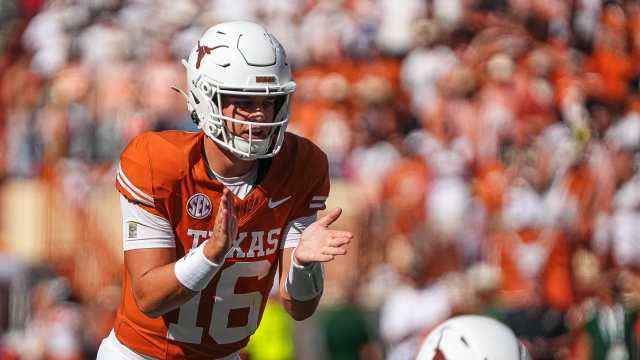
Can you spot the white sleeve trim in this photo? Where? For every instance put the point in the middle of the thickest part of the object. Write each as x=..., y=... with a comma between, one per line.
x=317, y=202
x=144, y=230
x=132, y=189
x=293, y=230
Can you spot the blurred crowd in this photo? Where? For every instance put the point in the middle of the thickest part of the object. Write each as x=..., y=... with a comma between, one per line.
x=495, y=143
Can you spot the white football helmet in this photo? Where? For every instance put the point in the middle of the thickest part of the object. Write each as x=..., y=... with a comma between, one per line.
x=239, y=58
x=472, y=337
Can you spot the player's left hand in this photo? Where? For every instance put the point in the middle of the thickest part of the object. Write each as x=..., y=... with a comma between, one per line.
x=319, y=243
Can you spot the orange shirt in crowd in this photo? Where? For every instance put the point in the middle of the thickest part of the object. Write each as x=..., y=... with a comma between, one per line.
x=535, y=266
x=581, y=189
x=615, y=69
x=403, y=194
x=489, y=186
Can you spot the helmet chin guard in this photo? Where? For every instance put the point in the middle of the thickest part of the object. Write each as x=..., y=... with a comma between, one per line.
x=241, y=59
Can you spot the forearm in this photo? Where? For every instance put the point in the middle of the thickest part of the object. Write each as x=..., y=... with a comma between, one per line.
x=158, y=291
x=300, y=310
x=164, y=287
x=301, y=289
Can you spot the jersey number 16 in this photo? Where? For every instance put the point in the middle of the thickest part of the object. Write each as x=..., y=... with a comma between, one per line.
x=185, y=330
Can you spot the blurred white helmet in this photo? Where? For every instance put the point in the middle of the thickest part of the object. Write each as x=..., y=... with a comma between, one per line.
x=472, y=337
x=239, y=58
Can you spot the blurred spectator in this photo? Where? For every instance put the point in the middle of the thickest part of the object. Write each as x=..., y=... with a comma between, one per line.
x=347, y=329
x=394, y=35
x=425, y=65
x=421, y=298
x=22, y=93
x=604, y=319
x=616, y=235
x=54, y=330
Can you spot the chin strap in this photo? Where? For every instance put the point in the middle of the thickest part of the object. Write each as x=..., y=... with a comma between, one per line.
x=216, y=131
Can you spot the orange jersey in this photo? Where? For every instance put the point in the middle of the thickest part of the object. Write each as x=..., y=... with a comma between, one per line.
x=535, y=266
x=166, y=174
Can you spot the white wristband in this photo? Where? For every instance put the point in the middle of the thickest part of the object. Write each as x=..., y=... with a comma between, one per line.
x=194, y=270
x=304, y=282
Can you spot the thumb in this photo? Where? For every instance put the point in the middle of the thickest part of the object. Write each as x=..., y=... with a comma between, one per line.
x=332, y=216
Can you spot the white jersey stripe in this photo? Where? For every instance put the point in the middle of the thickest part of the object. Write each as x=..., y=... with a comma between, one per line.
x=133, y=193
x=317, y=202
x=133, y=187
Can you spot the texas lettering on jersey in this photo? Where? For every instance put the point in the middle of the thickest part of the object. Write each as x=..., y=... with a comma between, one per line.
x=166, y=174
x=261, y=243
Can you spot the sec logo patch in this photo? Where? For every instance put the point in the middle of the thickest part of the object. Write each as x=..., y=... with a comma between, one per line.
x=199, y=206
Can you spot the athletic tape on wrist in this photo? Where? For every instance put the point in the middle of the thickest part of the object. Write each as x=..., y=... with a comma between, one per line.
x=304, y=282
x=194, y=270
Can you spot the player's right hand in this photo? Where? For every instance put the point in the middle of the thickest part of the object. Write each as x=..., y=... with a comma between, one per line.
x=225, y=229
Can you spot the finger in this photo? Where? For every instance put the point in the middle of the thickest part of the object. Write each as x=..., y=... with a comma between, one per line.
x=328, y=219
x=325, y=257
x=224, y=222
x=220, y=219
x=334, y=251
x=230, y=204
x=223, y=201
x=338, y=241
x=224, y=207
x=338, y=233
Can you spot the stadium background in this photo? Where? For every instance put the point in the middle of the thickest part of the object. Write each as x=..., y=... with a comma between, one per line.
x=486, y=153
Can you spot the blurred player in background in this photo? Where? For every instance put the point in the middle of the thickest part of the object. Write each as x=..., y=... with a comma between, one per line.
x=208, y=217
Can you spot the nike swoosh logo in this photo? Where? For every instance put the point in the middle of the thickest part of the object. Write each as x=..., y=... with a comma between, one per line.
x=272, y=204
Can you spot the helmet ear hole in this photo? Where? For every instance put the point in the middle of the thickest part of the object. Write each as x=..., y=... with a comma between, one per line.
x=217, y=131
x=195, y=118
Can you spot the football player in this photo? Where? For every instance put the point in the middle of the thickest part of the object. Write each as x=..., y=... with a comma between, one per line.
x=209, y=217
x=472, y=337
